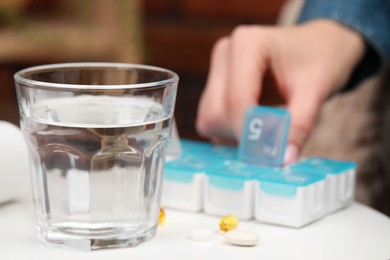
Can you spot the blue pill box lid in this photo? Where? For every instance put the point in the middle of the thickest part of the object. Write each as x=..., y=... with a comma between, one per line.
x=264, y=137
x=189, y=146
x=233, y=174
x=285, y=181
x=221, y=152
x=207, y=149
x=323, y=165
x=183, y=168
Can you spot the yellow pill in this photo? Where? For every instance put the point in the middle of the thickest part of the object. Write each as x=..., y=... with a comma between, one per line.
x=161, y=217
x=228, y=223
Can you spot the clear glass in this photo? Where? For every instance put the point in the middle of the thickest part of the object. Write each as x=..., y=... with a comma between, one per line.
x=97, y=136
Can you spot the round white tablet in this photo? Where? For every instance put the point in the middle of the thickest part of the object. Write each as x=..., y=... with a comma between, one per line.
x=201, y=235
x=242, y=237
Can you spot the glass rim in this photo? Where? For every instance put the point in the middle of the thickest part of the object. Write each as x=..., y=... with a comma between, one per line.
x=19, y=78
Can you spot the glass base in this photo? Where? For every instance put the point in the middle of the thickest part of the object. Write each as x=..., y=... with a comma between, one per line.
x=100, y=239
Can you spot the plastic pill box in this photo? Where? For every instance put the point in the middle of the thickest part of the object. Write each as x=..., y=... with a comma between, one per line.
x=291, y=198
x=229, y=189
x=183, y=183
x=340, y=177
x=248, y=182
x=183, y=176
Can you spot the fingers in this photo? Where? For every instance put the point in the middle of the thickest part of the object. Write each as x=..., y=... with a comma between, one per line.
x=239, y=63
x=211, y=118
x=237, y=69
x=303, y=105
x=246, y=69
x=234, y=84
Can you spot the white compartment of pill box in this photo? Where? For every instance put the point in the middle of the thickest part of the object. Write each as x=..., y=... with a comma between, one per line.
x=290, y=198
x=185, y=194
x=341, y=177
x=183, y=177
x=229, y=190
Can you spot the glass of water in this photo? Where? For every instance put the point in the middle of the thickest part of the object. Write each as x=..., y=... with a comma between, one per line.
x=97, y=136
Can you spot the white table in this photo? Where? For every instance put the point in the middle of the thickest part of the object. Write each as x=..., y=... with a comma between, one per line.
x=356, y=232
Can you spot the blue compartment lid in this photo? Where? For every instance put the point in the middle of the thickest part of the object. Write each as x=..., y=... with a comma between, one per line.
x=233, y=174
x=222, y=152
x=239, y=170
x=269, y=110
x=189, y=146
x=323, y=165
x=178, y=175
x=185, y=166
x=284, y=182
x=207, y=149
x=264, y=137
x=291, y=177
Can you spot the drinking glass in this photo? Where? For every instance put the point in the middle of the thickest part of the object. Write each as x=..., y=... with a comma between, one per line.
x=97, y=136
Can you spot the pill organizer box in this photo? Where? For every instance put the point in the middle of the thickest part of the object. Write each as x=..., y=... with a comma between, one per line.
x=200, y=179
x=183, y=183
x=290, y=198
x=340, y=177
x=229, y=189
x=183, y=177
x=249, y=182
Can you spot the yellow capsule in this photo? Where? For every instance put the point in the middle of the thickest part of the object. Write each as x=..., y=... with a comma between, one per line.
x=161, y=217
x=228, y=223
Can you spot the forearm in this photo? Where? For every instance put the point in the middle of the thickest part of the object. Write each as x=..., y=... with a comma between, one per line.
x=370, y=18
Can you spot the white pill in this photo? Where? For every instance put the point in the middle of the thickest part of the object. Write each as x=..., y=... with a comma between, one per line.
x=201, y=235
x=242, y=237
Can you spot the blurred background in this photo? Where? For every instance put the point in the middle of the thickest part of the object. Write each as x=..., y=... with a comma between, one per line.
x=179, y=35
x=175, y=34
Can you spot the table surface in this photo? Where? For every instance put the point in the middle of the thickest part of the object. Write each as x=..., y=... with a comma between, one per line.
x=357, y=232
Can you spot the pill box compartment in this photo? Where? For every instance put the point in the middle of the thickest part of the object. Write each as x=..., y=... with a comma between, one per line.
x=210, y=178
x=229, y=189
x=340, y=175
x=290, y=198
x=183, y=177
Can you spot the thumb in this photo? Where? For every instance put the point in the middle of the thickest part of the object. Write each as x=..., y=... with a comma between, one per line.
x=304, y=107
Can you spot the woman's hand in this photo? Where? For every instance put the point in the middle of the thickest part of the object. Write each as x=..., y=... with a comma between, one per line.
x=307, y=62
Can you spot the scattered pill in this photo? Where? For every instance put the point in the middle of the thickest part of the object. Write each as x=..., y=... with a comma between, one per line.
x=161, y=217
x=242, y=238
x=201, y=235
x=228, y=223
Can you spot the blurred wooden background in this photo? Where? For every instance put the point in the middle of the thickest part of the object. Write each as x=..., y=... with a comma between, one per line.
x=179, y=35
x=175, y=34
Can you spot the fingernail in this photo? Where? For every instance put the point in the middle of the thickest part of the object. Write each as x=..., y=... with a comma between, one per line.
x=291, y=154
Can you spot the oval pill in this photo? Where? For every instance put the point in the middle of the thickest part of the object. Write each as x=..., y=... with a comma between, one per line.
x=201, y=235
x=242, y=238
